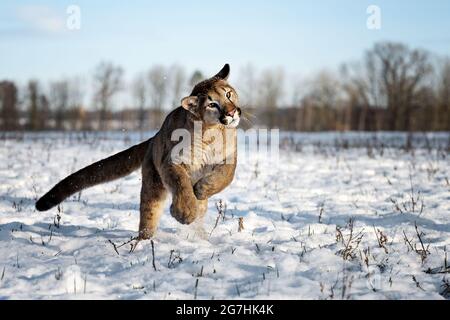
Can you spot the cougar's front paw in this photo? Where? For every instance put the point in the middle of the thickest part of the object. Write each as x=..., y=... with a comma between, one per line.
x=183, y=215
x=184, y=209
x=145, y=234
x=200, y=191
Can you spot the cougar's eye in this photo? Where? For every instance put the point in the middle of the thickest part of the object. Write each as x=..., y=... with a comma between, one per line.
x=228, y=94
x=214, y=106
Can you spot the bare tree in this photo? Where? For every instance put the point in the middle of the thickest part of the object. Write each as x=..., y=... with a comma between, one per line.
x=158, y=85
x=8, y=106
x=324, y=96
x=248, y=86
x=59, y=100
x=44, y=112
x=442, y=114
x=178, y=80
x=108, y=82
x=196, y=77
x=140, y=92
x=77, y=114
x=358, y=87
x=270, y=93
x=401, y=72
x=33, y=105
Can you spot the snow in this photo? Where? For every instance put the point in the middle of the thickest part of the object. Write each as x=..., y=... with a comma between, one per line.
x=293, y=210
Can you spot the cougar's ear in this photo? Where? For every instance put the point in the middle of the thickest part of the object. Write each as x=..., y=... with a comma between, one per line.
x=224, y=73
x=189, y=103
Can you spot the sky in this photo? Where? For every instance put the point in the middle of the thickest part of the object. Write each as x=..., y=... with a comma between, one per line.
x=300, y=36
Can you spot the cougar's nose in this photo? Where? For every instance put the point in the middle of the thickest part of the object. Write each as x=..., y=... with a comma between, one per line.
x=231, y=113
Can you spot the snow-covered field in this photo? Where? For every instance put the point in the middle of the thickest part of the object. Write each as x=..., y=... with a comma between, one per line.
x=328, y=221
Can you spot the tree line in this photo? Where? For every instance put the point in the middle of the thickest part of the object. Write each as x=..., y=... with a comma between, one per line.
x=392, y=88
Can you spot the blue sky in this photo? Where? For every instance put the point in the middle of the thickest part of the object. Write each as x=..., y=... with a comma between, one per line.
x=300, y=36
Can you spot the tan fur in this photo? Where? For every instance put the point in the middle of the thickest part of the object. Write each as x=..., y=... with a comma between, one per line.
x=191, y=183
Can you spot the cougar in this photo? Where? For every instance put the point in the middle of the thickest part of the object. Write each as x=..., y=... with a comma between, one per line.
x=191, y=178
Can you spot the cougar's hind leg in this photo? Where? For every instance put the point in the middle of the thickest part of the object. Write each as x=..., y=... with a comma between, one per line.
x=153, y=196
x=202, y=208
x=199, y=224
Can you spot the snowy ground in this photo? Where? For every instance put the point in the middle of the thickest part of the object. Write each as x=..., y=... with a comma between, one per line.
x=329, y=221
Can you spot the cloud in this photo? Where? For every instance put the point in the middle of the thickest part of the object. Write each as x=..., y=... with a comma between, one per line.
x=41, y=18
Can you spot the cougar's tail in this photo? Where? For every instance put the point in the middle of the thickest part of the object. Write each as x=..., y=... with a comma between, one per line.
x=109, y=169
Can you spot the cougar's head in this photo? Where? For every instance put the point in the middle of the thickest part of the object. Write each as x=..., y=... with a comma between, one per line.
x=214, y=101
